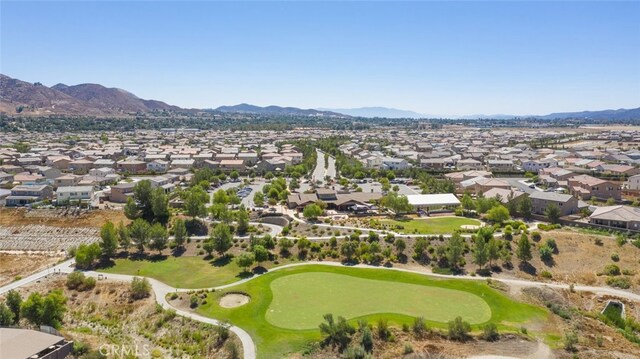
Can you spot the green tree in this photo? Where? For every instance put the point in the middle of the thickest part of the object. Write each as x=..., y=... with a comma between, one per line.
x=234, y=175
x=86, y=254
x=312, y=211
x=139, y=232
x=123, y=236
x=498, y=214
x=493, y=251
x=208, y=247
x=349, y=249
x=53, y=309
x=143, y=195
x=258, y=199
x=523, y=252
x=245, y=260
x=221, y=238
x=397, y=203
x=194, y=201
x=420, y=249
x=293, y=184
x=467, y=202
x=285, y=245
x=455, y=250
x=14, y=301
x=242, y=219
x=221, y=212
x=109, y=239
x=131, y=209
x=221, y=197
x=260, y=254
x=32, y=308
x=6, y=316
x=180, y=232
x=525, y=207
x=158, y=237
x=552, y=212
x=160, y=206
x=480, y=252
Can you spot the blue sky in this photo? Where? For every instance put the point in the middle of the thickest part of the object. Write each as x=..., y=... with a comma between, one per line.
x=444, y=58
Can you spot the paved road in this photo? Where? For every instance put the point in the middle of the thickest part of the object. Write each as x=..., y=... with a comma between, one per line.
x=319, y=172
x=331, y=170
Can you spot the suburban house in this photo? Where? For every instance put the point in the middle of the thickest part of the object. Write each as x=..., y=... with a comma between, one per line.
x=158, y=166
x=67, y=180
x=232, y=165
x=74, y=194
x=537, y=165
x=132, y=166
x=633, y=183
x=23, y=195
x=80, y=166
x=122, y=191
x=625, y=217
x=469, y=164
x=587, y=187
x=395, y=163
x=504, y=195
x=541, y=200
x=500, y=165
x=33, y=344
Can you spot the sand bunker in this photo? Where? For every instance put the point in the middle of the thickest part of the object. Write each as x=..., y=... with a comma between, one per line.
x=233, y=300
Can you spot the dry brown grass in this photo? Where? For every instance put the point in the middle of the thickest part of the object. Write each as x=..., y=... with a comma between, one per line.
x=580, y=259
x=13, y=265
x=96, y=218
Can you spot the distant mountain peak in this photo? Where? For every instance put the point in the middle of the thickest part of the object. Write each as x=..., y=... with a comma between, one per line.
x=377, y=111
x=277, y=110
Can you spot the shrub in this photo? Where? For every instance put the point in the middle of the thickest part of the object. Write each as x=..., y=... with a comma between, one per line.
x=611, y=270
x=193, y=301
x=598, y=242
x=546, y=274
x=408, y=349
x=570, y=341
x=140, y=288
x=536, y=236
x=615, y=257
x=419, y=327
x=383, y=330
x=621, y=282
x=80, y=282
x=490, y=332
x=459, y=329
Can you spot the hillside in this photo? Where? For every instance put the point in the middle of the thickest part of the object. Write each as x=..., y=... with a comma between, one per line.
x=20, y=97
x=383, y=112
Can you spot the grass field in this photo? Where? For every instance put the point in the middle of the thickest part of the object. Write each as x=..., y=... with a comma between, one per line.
x=180, y=272
x=300, y=300
x=286, y=306
x=435, y=225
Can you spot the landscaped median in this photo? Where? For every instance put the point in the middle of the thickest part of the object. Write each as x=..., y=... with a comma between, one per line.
x=286, y=306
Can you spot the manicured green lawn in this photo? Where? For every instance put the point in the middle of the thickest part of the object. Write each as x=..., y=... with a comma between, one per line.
x=435, y=225
x=300, y=300
x=180, y=272
x=287, y=305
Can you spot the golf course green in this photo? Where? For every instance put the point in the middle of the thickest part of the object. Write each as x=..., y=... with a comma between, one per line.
x=300, y=300
x=286, y=305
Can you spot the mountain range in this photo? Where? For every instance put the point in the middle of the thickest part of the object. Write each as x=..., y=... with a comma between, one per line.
x=35, y=99
x=276, y=110
x=19, y=97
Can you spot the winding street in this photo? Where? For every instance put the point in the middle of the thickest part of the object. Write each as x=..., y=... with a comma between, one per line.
x=161, y=290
